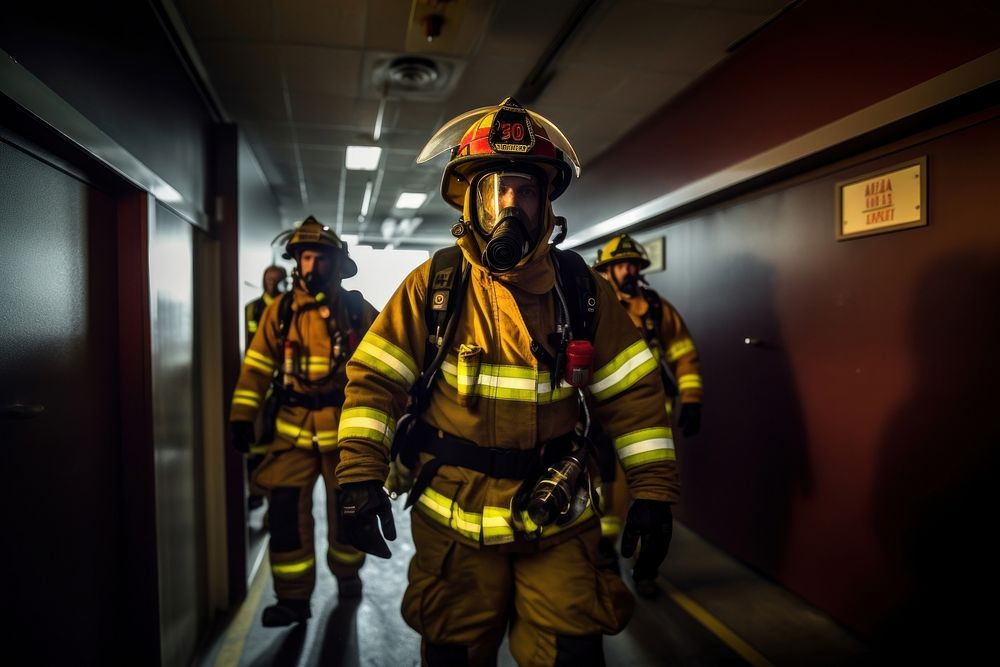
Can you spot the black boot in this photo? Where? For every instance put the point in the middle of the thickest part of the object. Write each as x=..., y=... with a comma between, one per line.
x=349, y=587
x=285, y=612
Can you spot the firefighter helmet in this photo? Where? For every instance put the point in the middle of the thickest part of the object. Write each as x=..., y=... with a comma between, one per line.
x=312, y=234
x=622, y=248
x=494, y=137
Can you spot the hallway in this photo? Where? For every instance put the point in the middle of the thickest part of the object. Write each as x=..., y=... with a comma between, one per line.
x=714, y=612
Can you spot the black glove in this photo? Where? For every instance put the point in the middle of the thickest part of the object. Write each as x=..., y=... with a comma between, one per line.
x=362, y=506
x=654, y=523
x=242, y=436
x=690, y=418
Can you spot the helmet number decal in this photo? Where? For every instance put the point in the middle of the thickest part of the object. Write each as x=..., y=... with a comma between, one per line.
x=512, y=132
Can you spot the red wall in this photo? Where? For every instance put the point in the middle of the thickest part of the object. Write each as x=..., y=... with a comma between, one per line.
x=850, y=455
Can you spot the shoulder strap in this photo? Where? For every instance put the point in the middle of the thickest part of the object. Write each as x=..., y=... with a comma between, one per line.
x=439, y=306
x=654, y=315
x=284, y=315
x=577, y=282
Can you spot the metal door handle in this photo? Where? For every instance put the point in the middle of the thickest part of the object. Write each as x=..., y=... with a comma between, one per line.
x=21, y=411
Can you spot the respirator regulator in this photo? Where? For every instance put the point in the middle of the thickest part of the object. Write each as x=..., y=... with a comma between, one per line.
x=507, y=215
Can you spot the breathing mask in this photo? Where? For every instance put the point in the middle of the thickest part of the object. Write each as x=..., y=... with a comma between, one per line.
x=507, y=216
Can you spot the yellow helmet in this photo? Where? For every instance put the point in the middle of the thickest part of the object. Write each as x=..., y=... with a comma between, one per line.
x=622, y=248
x=312, y=234
x=497, y=137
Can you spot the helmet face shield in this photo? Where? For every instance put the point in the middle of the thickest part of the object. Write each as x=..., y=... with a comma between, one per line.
x=501, y=190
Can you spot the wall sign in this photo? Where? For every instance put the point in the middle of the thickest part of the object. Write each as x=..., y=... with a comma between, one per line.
x=656, y=251
x=883, y=201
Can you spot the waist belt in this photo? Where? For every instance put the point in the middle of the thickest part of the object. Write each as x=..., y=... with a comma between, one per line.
x=313, y=401
x=447, y=449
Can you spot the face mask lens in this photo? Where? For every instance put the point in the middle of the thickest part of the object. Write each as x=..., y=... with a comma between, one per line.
x=500, y=190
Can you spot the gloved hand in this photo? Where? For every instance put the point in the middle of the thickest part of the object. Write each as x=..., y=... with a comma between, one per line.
x=690, y=419
x=652, y=521
x=242, y=436
x=363, y=505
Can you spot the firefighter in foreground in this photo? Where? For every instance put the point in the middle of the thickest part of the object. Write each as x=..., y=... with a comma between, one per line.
x=301, y=347
x=273, y=279
x=488, y=349
x=621, y=262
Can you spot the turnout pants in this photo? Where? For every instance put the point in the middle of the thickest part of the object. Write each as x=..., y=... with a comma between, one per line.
x=288, y=475
x=559, y=602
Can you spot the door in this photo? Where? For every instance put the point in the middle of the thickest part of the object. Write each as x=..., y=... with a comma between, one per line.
x=62, y=505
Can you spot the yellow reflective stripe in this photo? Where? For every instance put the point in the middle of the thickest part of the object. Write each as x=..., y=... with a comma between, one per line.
x=497, y=528
x=293, y=569
x=253, y=403
x=645, y=446
x=386, y=359
x=611, y=526
x=346, y=557
x=253, y=363
x=443, y=510
x=366, y=424
x=247, y=393
x=252, y=326
x=258, y=450
x=631, y=365
x=291, y=431
x=260, y=358
x=504, y=382
x=679, y=348
x=689, y=381
x=246, y=397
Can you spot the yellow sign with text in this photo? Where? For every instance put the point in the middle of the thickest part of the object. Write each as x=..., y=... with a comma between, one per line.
x=880, y=202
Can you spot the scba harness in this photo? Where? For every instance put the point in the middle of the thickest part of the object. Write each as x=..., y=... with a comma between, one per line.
x=576, y=320
x=343, y=344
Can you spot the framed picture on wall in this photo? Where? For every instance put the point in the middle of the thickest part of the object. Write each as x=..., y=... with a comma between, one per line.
x=656, y=250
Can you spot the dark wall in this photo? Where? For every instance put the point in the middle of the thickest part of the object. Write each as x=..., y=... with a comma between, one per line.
x=113, y=62
x=849, y=454
x=815, y=64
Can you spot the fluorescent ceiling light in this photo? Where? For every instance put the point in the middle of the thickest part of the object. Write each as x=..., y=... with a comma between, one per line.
x=363, y=157
x=411, y=200
x=367, y=199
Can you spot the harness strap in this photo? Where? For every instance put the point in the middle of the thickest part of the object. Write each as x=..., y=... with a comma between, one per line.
x=313, y=401
x=495, y=462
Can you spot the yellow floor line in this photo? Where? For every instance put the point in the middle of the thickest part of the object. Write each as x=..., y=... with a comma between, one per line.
x=715, y=626
x=236, y=635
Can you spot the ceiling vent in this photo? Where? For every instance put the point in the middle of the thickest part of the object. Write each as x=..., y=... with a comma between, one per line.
x=412, y=73
x=418, y=78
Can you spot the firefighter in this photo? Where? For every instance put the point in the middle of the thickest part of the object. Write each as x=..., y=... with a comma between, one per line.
x=273, y=280
x=300, y=350
x=497, y=387
x=621, y=262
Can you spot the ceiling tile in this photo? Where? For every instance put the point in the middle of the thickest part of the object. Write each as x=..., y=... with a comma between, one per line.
x=252, y=65
x=319, y=69
x=322, y=22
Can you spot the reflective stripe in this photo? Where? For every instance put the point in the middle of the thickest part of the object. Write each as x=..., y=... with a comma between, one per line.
x=610, y=526
x=289, y=430
x=258, y=450
x=293, y=569
x=445, y=511
x=246, y=397
x=262, y=360
x=495, y=524
x=645, y=446
x=689, y=381
x=505, y=383
x=386, y=359
x=679, y=348
x=253, y=363
x=631, y=365
x=366, y=424
x=346, y=557
x=497, y=528
x=252, y=326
